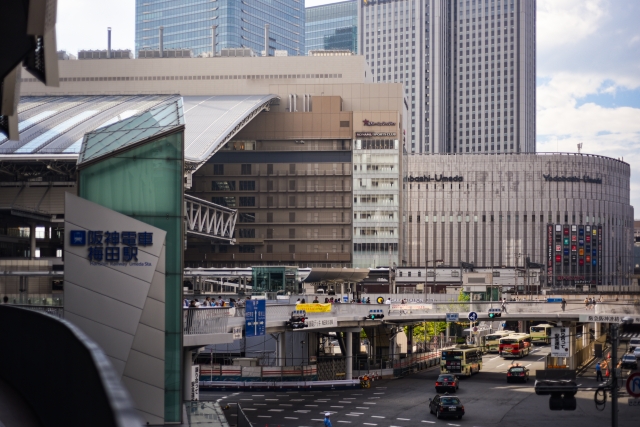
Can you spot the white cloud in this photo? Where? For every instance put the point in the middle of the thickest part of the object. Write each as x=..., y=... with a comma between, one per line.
x=589, y=48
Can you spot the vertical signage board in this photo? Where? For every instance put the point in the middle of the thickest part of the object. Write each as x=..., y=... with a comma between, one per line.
x=560, y=341
x=255, y=319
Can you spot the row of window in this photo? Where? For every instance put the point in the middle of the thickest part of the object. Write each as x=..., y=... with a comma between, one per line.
x=231, y=185
x=516, y=218
x=231, y=201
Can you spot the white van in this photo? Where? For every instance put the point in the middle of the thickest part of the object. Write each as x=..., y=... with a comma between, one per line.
x=633, y=343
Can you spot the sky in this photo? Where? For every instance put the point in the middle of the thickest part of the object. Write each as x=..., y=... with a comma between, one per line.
x=588, y=69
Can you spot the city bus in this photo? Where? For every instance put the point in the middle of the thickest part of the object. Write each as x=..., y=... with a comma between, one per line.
x=541, y=333
x=515, y=345
x=492, y=341
x=463, y=360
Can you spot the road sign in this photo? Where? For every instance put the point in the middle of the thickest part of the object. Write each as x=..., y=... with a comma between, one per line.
x=504, y=325
x=473, y=316
x=255, y=318
x=237, y=333
x=597, y=318
x=633, y=385
x=452, y=317
x=554, y=299
x=560, y=342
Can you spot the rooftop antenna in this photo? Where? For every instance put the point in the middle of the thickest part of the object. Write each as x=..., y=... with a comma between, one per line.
x=579, y=147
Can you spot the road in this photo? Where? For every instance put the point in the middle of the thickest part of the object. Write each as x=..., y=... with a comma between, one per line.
x=488, y=401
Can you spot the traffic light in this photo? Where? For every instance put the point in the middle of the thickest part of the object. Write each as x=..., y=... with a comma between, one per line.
x=562, y=393
x=297, y=320
x=375, y=314
x=495, y=312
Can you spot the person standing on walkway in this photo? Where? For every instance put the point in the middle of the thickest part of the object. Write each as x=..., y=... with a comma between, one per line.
x=563, y=303
x=327, y=420
x=598, y=372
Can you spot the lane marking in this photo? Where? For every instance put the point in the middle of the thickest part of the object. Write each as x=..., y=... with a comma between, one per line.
x=367, y=424
x=499, y=365
x=377, y=416
x=356, y=413
x=489, y=359
x=430, y=422
x=304, y=411
x=260, y=404
x=267, y=416
x=404, y=419
x=527, y=365
x=290, y=418
x=352, y=415
x=336, y=406
x=276, y=410
x=344, y=421
x=361, y=407
x=249, y=409
x=255, y=395
x=542, y=358
x=457, y=425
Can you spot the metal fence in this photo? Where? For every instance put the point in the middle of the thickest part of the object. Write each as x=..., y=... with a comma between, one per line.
x=206, y=320
x=52, y=310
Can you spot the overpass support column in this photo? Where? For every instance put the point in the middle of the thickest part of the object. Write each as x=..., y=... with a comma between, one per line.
x=447, y=336
x=187, y=363
x=349, y=359
x=32, y=238
x=596, y=331
x=410, y=340
x=281, y=352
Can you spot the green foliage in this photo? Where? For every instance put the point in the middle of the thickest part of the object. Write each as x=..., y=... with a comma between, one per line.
x=464, y=296
x=431, y=329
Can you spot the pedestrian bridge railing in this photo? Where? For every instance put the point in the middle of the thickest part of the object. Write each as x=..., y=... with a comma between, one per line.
x=213, y=320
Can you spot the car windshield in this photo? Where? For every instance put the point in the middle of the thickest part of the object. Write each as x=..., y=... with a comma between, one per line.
x=445, y=378
x=450, y=401
x=629, y=357
x=517, y=369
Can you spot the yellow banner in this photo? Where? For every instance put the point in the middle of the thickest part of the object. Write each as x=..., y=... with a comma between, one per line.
x=314, y=307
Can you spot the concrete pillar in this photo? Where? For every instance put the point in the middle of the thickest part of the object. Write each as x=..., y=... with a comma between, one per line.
x=349, y=358
x=187, y=363
x=281, y=350
x=596, y=330
x=32, y=237
x=410, y=340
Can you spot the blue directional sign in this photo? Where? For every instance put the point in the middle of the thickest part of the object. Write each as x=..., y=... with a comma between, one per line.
x=255, y=318
x=473, y=316
x=554, y=299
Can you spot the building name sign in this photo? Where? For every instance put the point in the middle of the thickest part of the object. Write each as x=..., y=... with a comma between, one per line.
x=436, y=178
x=369, y=134
x=112, y=247
x=370, y=123
x=585, y=178
x=606, y=318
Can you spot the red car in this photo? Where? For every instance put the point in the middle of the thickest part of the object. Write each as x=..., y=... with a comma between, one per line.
x=446, y=383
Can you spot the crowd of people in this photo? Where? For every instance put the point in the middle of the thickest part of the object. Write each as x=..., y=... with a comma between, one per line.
x=211, y=302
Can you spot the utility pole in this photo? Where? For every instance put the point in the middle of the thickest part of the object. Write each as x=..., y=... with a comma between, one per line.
x=614, y=376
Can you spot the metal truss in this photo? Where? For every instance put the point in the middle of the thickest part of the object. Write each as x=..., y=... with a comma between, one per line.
x=208, y=220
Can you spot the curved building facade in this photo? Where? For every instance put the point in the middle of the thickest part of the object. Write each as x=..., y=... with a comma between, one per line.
x=568, y=212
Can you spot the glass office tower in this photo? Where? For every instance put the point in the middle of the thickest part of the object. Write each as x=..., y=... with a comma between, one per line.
x=332, y=27
x=187, y=24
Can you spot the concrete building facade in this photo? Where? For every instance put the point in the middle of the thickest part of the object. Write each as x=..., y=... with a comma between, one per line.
x=468, y=70
x=569, y=212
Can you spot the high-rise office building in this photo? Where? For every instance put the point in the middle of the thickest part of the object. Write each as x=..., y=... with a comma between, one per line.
x=468, y=70
x=332, y=27
x=187, y=24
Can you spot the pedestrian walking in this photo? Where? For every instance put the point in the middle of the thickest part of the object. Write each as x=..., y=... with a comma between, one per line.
x=327, y=420
x=563, y=303
x=504, y=305
x=598, y=372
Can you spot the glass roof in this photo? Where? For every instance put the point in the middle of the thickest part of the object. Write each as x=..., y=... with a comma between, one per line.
x=112, y=137
x=55, y=132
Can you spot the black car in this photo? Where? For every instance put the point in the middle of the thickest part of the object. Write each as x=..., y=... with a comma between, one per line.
x=629, y=361
x=518, y=373
x=444, y=405
x=447, y=382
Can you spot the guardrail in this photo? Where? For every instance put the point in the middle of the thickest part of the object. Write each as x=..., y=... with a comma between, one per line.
x=214, y=320
x=52, y=310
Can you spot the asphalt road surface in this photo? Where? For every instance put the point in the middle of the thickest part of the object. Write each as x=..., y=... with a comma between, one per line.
x=487, y=397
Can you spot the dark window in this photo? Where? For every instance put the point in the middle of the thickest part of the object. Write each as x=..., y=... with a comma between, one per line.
x=245, y=169
x=270, y=202
x=292, y=168
x=292, y=200
x=269, y=169
x=247, y=233
x=292, y=184
x=269, y=233
x=224, y=201
x=344, y=123
x=247, y=217
x=247, y=201
x=269, y=216
x=247, y=185
x=269, y=249
x=484, y=218
x=223, y=249
x=218, y=169
x=269, y=185
x=247, y=249
x=223, y=185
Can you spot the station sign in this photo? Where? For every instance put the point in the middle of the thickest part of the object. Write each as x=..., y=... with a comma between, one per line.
x=607, y=318
x=452, y=317
x=112, y=247
x=323, y=322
